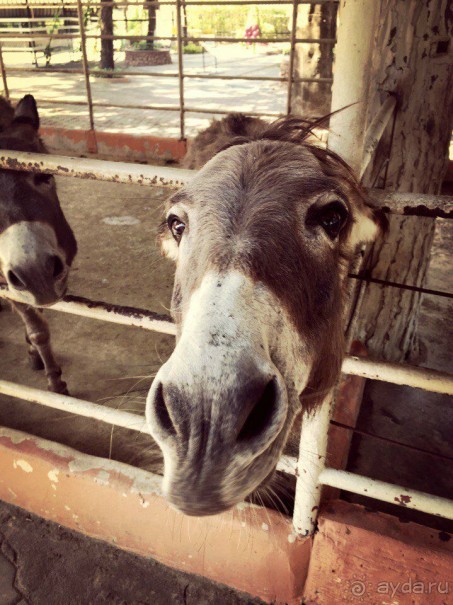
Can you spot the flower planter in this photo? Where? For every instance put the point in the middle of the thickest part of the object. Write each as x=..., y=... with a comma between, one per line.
x=138, y=57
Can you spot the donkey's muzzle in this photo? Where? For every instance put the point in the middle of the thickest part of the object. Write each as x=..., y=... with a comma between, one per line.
x=216, y=434
x=39, y=283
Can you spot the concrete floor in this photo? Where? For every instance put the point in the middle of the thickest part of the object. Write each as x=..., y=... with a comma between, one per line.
x=231, y=60
x=42, y=563
x=118, y=262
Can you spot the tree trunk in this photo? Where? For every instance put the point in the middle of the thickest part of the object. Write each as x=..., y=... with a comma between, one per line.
x=314, y=60
x=107, y=59
x=410, y=59
x=152, y=17
x=184, y=20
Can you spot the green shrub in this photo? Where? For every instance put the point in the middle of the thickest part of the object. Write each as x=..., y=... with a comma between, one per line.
x=192, y=48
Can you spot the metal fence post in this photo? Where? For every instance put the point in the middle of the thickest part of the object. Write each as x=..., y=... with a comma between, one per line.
x=3, y=70
x=291, y=56
x=86, y=72
x=180, y=68
x=312, y=460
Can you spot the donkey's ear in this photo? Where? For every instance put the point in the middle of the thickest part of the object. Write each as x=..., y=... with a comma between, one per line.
x=27, y=111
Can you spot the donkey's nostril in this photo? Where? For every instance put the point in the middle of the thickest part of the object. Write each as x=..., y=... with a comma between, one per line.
x=54, y=266
x=262, y=413
x=16, y=281
x=162, y=413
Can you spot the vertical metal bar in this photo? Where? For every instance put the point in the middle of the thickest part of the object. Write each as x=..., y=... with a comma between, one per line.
x=180, y=68
x=312, y=459
x=31, y=43
x=3, y=70
x=85, y=63
x=291, y=56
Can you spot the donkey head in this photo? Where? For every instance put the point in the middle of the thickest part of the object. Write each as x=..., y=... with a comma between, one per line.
x=37, y=246
x=261, y=237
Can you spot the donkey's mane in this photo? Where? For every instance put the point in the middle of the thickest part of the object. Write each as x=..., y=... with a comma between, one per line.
x=296, y=130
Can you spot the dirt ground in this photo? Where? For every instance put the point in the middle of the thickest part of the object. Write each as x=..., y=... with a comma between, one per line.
x=118, y=262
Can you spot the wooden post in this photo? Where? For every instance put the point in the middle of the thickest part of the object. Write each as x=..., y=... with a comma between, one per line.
x=314, y=60
x=411, y=60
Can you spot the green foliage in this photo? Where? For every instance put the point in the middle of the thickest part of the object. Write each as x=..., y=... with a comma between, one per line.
x=143, y=44
x=232, y=21
x=192, y=48
x=148, y=45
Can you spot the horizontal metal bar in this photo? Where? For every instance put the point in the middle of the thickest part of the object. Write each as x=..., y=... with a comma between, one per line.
x=31, y=36
x=153, y=108
x=413, y=204
x=101, y=170
x=392, y=284
x=27, y=19
x=126, y=420
x=107, y=105
x=399, y=203
x=107, y=72
x=356, y=484
x=402, y=374
x=387, y=492
x=398, y=373
x=227, y=111
x=103, y=311
x=259, y=40
x=23, y=49
x=57, y=6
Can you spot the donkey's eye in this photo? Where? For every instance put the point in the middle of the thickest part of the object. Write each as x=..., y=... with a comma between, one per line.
x=332, y=218
x=176, y=227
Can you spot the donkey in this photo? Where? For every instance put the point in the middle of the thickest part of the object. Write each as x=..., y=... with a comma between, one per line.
x=219, y=133
x=37, y=245
x=262, y=237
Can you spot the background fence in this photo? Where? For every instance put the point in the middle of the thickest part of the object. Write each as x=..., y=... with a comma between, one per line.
x=264, y=72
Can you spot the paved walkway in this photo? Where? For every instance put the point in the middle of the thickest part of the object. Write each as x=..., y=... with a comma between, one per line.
x=247, y=96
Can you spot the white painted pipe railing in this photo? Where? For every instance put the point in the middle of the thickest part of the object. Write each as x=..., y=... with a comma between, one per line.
x=65, y=403
x=387, y=492
x=313, y=447
x=99, y=170
x=401, y=374
x=163, y=176
x=310, y=468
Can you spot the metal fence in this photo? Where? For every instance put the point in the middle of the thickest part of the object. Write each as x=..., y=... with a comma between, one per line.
x=310, y=468
x=180, y=39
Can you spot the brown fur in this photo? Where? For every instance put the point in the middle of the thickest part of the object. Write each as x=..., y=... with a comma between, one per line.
x=219, y=134
x=253, y=208
x=33, y=200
